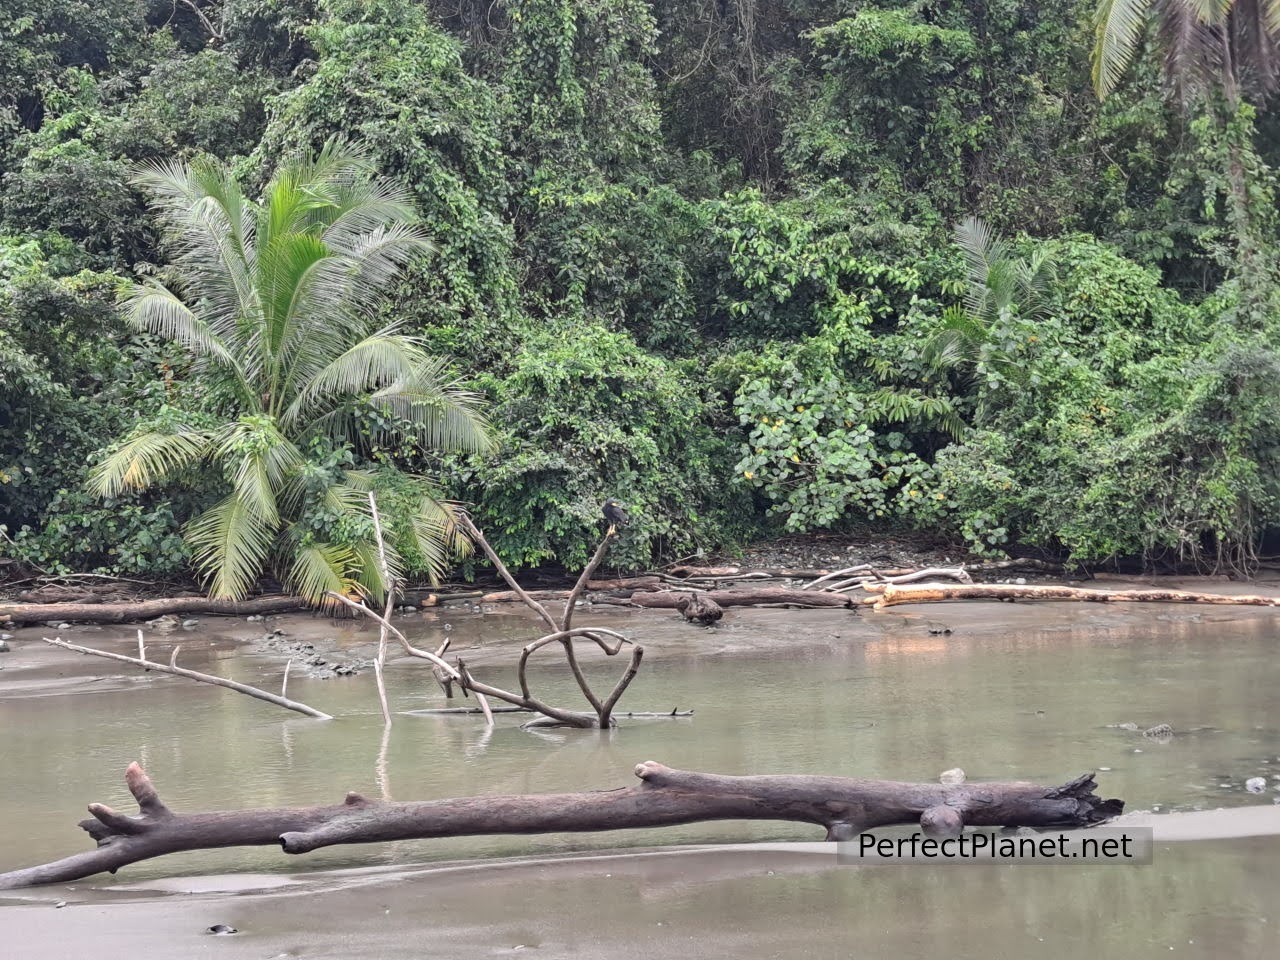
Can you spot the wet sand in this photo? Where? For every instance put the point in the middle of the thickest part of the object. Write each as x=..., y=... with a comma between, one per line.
x=749, y=901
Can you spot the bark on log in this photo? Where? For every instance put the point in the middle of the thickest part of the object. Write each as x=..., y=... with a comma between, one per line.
x=143, y=609
x=626, y=583
x=845, y=807
x=510, y=596
x=936, y=593
x=712, y=573
x=670, y=599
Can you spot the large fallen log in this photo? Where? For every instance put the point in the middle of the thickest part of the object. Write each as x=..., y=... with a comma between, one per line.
x=729, y=573
x=664, y=797
x=893, y=595
x=747, y=597
x=143, y=609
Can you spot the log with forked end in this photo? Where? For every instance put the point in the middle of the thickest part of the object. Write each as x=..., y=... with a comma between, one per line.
x=664, y=797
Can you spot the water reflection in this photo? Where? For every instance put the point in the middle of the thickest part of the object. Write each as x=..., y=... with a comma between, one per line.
x=1034, y=699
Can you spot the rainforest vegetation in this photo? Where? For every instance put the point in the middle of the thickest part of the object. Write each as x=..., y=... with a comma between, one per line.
x=1000, y=271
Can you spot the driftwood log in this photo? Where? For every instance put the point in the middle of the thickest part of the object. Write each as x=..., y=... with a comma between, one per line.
x=664, y=797
x=892, y=595
x=143, y=609
x=746, y=597
x=714, y=573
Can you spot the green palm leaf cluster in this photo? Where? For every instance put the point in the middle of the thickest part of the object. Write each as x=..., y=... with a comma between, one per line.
x=1003, y=294
x=1231, y=45
x=277, y=303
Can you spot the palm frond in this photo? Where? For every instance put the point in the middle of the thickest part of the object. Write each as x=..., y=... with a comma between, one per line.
x=1255, y=33
x=362, y=206
x=209, y=226
x=317, y=568
x=1118, y=26
x=260, y=459
x=438, y=534
x=981, y=249
x=230, y=543
x=145, y=458
x=383, y=358
x=434, y=405
x=155, y=308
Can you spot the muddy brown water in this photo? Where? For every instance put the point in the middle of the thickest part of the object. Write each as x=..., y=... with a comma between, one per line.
x=1013, y=692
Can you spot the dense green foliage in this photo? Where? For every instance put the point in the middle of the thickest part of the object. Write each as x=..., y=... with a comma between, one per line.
x=275, y=304
x=748, y=267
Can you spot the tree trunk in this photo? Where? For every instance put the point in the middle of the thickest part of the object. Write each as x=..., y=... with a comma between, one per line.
x=750, y=596
x=936, y=592
x=143, y=609
x=844, y=806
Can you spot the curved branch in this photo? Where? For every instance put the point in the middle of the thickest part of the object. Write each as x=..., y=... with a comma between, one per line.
x=474, y=532
x=568, y=717
x=567, y=619
x=606, y=709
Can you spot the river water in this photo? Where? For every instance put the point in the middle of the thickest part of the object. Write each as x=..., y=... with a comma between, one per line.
x=1034, y=692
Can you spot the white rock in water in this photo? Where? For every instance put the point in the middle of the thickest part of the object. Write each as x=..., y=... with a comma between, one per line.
x=952, y=777
x=1255, y=784
x=1021, y=581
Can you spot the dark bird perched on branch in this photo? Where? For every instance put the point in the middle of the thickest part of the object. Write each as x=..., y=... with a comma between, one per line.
x=616, y=516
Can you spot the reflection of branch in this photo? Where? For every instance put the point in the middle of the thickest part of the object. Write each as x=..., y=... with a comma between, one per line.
x=174, y=670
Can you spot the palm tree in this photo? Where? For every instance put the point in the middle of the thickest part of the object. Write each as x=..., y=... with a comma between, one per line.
x=1230, y=45
x=1001, y=291
x=276, y=302
x=1226, y=47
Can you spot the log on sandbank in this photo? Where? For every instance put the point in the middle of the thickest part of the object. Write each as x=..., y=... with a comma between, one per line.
x=143, y=609
x=715, y=573
x=939, y=593
x=746, y=597
x=664, y=797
